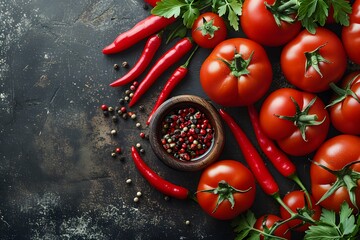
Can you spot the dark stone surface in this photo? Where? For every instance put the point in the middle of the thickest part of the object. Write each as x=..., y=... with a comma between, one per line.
x=57, y=178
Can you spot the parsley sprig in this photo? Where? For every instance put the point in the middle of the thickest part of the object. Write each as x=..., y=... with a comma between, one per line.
x=311, y=13
x=189, y=10
x=331, y=226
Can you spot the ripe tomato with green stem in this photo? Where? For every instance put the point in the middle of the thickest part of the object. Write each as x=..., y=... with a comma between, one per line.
x=335, y=172
x=350, y=35
x=271, y=22
x=312, y=61
x=345, y=106
x=226, y=189
x=209, y=30
x=236, y=73
x=299, y=203
x=296, y=120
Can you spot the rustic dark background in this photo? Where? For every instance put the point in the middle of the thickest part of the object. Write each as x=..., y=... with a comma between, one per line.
x=57, y=178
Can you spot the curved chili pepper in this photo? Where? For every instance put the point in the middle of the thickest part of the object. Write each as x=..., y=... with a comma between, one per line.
x=143, y=29
x=173, y=55
x=252, y=157
x=171, y=83
x=277, y=157
x=151, y=47
x=155, y=180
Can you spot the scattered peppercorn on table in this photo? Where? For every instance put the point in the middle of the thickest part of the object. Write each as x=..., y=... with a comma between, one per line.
x=75, y=156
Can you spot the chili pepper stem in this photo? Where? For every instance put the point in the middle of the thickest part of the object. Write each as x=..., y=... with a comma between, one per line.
x=297, y=180
x=186, y=64
x=277, y=197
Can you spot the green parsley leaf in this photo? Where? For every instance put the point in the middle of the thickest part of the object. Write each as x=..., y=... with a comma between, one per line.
x=328, y=228
x=190, y=15
x=233, y=9
x=168, y=8
x=342, y=9
x=312, y=13
x=243, y=226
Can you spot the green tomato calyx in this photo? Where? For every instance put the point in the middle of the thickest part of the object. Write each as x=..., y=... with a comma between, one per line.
x=314, y=58
x=225, y=192
x=302, y=119
x=238, y=66
x=283, y=11
x=346, y=177
x=343, y=93
x=208, y=28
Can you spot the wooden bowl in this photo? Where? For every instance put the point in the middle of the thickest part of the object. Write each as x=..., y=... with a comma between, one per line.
x=211, y=114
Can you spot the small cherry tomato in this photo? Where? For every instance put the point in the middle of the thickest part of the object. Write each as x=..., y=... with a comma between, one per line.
x=265, y=222
x=208, y=30
x=226, y=189
x=298, y=202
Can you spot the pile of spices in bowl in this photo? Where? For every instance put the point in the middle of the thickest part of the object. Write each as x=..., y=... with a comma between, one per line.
x=186, y=133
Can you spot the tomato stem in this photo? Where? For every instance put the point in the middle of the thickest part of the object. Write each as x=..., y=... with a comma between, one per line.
x=225, y=192
x=238, y=66
x=283, y=11
x=343, y=93
x=313, y=59
x=302, y=119
x=346, y=177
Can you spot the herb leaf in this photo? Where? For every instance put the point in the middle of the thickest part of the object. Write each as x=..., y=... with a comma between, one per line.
x=313, y=13
x=233, y=9
x=244, y=226
x=168, y=8
x=342, y=9
x=328, y=228
x=190, y=15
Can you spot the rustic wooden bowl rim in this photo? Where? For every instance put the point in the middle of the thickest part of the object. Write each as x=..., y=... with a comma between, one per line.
x=203, y=106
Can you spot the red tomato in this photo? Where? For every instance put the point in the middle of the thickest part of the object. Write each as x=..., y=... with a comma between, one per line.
x=297, y=201
x=208, y=30
x=236, y=175
x=351, y=34
x=258, y=23
x=268, y=220
x=312, y=61
x=345, y=115
x=334, y=154
x=287, y=130
x=236, y=73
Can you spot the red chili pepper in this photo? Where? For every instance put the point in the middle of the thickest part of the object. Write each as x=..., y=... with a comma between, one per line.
x=252, y=157
x=277, y=157
x=173, y=55
x=171, y=83
x=156, y=181
x=151, y=47
x=143, y=29
x=152, y=2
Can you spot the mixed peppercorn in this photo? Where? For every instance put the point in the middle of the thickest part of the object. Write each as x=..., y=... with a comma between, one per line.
x=186, y=133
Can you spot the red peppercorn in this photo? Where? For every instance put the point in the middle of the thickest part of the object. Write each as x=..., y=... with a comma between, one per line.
x=104, y=107
x=118, y=150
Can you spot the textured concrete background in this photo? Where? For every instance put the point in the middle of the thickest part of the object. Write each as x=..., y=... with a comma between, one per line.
x=57, y=178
